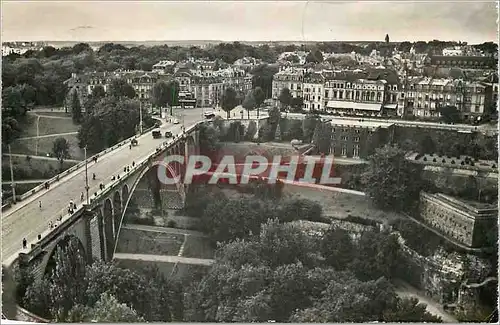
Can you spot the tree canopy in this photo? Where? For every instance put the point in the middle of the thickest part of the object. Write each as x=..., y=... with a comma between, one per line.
x=391, y=181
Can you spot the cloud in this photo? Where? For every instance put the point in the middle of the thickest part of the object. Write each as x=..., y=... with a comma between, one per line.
x=81, y=27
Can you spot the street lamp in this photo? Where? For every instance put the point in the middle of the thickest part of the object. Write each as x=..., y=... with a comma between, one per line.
x=12, y=184
x=86, y=175
x=140, y=116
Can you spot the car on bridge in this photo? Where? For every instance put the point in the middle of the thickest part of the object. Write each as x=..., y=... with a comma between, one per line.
x=156, y=134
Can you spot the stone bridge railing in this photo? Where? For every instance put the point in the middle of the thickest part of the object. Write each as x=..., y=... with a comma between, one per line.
x=50, y=234
x=8, y=203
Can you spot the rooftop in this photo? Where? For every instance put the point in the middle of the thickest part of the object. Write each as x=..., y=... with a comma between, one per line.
x=360, y=123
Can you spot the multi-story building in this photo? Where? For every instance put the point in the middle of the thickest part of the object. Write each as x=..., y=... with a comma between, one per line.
x=423, y=97
x=358, y=139
x=366, y=93
x=21, y=47
x=291, y=78
x=142, y=82
x=235, y=78
x=314, y=91
x=466, y=222
x=464, y=62
x=206, y=90
x=164, y=67
x=455, y=51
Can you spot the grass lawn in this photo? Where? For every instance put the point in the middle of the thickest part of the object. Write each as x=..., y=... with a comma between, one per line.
x=56, y=125
x=134, y=241
x=27, y=147
x=337, y=204
x=198, y=247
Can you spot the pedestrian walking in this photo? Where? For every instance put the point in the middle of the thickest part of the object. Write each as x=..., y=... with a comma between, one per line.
x=25, y=243
x=81, y=197
x=40, y=204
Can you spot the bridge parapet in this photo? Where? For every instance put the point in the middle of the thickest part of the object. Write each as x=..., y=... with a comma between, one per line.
x=67, y=172
x=68, y=220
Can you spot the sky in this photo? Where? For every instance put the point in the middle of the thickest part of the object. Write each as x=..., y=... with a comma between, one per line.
x=470, y=21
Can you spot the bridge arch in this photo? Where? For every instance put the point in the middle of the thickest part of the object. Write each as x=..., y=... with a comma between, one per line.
x=64, y=243
x=117, y=210
x=109, y=232
x=179, y=186
x=125, y=193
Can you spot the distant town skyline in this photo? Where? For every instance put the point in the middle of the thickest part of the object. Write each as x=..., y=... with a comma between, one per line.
x=95, y=21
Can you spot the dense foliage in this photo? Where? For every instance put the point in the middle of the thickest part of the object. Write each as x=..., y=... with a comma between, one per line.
x=277, y=275
x=100, y=287
x=391, y=181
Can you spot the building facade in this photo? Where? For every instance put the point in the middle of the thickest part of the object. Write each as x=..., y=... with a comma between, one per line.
x=349, y=93
x=314, y=91
x=466, y=222
x=358, y=139
x=423, y=97
x=464, y=62
x=291, y=78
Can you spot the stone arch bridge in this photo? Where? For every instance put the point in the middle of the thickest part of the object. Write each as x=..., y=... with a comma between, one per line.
x=96, y=226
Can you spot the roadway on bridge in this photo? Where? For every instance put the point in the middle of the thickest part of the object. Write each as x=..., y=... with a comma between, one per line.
x=26, y=219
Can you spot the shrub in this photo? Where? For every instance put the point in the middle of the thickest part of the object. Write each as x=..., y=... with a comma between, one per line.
x=462, y=163
x=171, y=224
x=425, y=158
x=493, y=166
x=443, y=161
x=434, y=160
x=361, y=220
x=453, y=162
x=417, y=157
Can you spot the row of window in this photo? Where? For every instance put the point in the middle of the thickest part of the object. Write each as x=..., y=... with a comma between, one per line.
x=344, y=138
x=343, y=151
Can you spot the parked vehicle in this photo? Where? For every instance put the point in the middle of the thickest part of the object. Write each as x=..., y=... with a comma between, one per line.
x=168, y=134
x=176, y=121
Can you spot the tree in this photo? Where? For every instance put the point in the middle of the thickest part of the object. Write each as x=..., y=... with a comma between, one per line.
x=285, y=98
x=404, y=47
x=409, y=310
x=427, y=145
x=260, y=96
x=173, y=95
x=377, y=255
x=226, y=220
x=9, y=308
x=229, y=101
x=110, y=310
x=249, y=103
x=337, y=248
x=111, y=121
x=120, y=88
x=208, y=139
x=76, y=109
x=69, y=269
x=386, y=38
x=297, y=103
x=391, y=181
x=314, y=56
x=10, y=130
x=449, y=114
x=161, y=94
x=12, y=100
x=322, y=137
x=98, y=92
x=309, y=125
x=60, y=149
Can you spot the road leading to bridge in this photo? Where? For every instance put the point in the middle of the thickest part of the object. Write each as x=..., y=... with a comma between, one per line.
x=26, y=219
